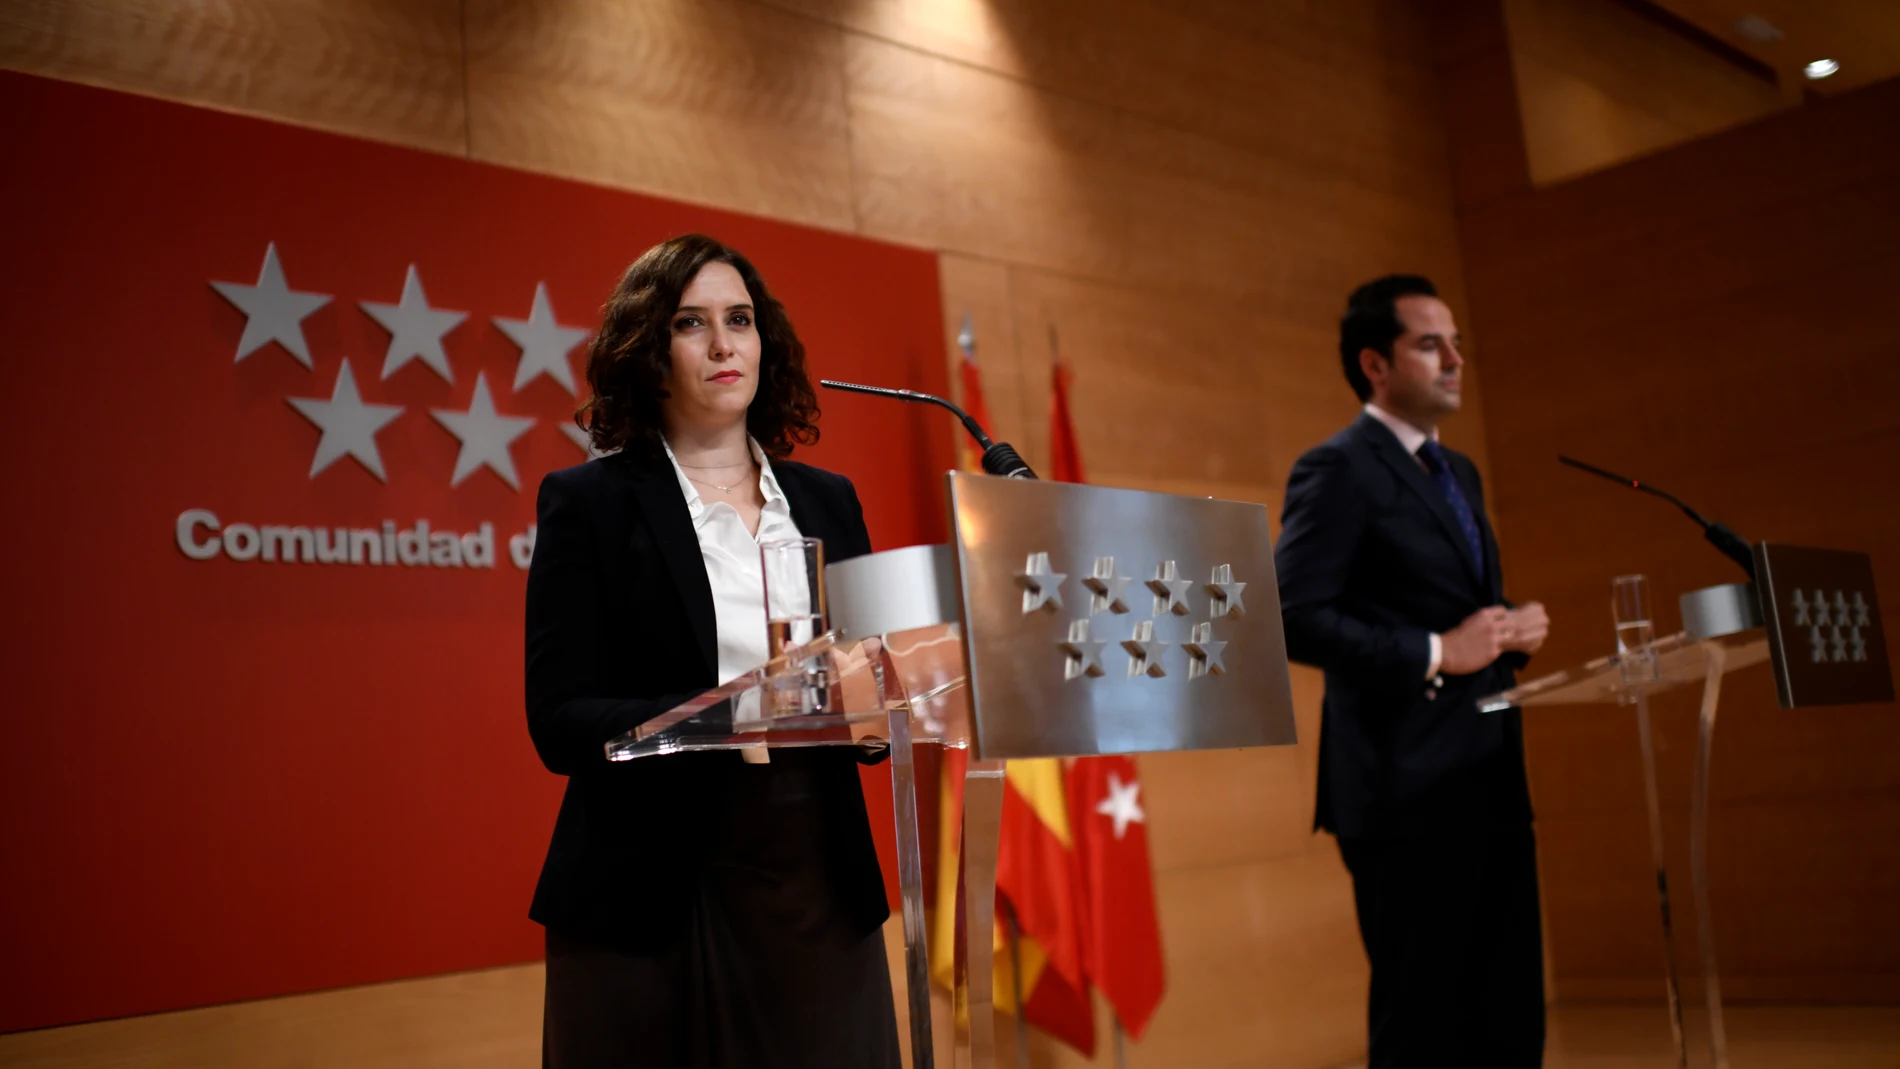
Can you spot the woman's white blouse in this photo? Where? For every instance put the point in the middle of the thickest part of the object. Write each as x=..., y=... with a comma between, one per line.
x=732, y=564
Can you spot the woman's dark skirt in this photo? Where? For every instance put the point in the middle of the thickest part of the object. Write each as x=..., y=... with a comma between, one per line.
x=767, y=971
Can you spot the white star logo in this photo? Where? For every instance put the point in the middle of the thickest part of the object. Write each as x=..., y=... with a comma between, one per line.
x=415, y=329
x=544, y=343
x=349, y=426
x=486, y=436
x=274, y=311
x=1123, y=804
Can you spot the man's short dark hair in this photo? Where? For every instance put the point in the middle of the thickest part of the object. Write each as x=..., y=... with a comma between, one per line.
x=1372, y=322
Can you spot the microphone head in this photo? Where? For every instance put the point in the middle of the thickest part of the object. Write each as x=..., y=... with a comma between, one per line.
x=1001, y=459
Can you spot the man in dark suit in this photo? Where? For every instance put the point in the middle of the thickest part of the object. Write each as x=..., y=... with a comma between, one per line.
x=1390, y=583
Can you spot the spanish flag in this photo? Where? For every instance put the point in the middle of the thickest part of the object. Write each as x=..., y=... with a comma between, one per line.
x=1039, y=878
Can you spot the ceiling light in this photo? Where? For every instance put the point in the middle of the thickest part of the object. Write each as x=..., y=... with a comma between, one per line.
x=1820, y=69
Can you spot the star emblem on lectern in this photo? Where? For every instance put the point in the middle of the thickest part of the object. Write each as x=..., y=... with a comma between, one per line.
x=1204, y=654
x=1834, y=625
x=1225, y=592
x=1106, y=589
x=1168, y=587
x=1042, y=588
x=1084, y=651
x=1145, y=651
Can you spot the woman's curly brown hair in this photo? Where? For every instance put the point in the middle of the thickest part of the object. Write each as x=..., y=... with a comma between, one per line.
x=631, y=356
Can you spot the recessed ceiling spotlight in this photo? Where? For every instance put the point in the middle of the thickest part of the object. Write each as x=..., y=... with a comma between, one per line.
x=1757, y=29
x=1820, y=69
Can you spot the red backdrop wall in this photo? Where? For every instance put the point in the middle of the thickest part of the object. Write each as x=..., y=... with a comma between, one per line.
x=225, y=780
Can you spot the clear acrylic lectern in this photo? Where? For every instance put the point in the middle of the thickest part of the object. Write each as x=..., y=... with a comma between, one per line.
x=1811, y=612
x=1060, y=620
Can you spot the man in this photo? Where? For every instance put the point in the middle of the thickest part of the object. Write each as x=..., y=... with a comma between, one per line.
x=1390, y=582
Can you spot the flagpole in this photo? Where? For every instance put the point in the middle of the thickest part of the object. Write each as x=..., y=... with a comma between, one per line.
x=1121, y=1049
x=1016, y=987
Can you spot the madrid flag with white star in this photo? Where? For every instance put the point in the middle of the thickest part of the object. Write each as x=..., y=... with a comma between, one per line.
x=1121, y=952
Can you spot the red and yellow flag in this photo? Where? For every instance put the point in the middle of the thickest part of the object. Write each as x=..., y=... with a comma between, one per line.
x=1038, y=877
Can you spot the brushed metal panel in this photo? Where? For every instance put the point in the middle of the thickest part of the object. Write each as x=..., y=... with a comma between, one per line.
x=1719, y=611
x=896, y=590
x=1028, y=554
x=1824, y=626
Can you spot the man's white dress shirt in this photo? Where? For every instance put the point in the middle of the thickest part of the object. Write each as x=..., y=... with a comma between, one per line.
x=1412, y=439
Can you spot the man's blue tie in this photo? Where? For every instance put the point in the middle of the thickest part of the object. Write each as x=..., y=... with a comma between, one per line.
x=1436, y=462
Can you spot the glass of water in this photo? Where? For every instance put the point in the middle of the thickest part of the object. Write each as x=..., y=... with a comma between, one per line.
x=794, y=574
x=1635, y=633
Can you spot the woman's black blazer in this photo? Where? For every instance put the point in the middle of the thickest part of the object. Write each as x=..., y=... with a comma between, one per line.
x=620, y=627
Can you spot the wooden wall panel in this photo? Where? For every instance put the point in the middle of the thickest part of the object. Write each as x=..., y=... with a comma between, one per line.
x=713, y=101
x=1715, y=319
x=1271, y=982
x=389, y=71
x=1599, y=83
x=1331, y=88
x=965, y=160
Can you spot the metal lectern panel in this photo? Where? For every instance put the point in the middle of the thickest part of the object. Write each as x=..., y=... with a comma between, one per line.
x=1824, y=626
x=1103, y=621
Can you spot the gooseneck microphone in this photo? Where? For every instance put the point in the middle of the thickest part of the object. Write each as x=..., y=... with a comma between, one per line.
x=1720, y=535
x=999, y=458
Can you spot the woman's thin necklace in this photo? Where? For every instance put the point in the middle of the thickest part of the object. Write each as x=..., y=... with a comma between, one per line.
x=707, y=482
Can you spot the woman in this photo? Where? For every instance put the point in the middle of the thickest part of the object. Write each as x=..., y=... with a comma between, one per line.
x=701, y=911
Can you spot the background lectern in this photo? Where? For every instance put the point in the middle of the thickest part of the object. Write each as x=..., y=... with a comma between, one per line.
x=1060, y=620
x=1813, y=613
